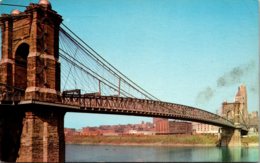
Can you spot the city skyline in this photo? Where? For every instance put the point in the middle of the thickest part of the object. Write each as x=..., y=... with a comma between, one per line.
x=195, y=53
x=253, y=113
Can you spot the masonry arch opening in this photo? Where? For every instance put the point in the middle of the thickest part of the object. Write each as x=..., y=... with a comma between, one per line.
x=21, y=55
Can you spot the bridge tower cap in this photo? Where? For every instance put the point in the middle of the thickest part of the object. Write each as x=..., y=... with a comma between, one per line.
x=15, y=12
x=45, y=3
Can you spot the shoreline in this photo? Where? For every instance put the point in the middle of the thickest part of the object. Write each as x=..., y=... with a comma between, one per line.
x=148, y=144
x=159, y=144
x=251, y=145
x=159, y=140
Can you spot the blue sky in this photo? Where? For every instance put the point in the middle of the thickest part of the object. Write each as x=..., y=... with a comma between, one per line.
x=192, y=52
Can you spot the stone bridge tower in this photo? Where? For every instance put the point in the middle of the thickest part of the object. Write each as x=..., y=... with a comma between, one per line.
x=30, y=62
x=241, y=97
x=236, y=112
x=30, y=51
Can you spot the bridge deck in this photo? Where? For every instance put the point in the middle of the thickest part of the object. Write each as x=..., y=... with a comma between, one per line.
x=135, y=107
x=96, y=103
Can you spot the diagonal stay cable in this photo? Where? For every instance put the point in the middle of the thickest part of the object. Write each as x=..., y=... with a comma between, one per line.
x=75, y=64
x=141, y=90
x=105, y=66
x=80, y=65
x=7, y=4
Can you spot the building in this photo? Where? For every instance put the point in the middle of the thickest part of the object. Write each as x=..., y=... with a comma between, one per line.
x=164, y=126
x=135, y=132
x=161, y=125
x=114, y=130
x=71, y=132
x=90, y=131
x=180, y=127
x=201, y=128
x=109, y=133
x=253, y=119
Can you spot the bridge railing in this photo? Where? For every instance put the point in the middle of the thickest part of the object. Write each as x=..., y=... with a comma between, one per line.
x=10, y=94
x=143, y=107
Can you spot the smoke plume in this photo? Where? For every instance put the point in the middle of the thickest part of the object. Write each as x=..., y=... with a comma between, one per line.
x=205, y=95
x=235, y=75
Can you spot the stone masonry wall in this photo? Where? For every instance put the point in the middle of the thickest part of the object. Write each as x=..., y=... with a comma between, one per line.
x=42, y=138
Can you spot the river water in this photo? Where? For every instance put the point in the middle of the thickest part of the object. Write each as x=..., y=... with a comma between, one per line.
x=115, y=153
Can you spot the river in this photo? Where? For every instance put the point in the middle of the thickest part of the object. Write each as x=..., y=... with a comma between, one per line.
x=116, y=153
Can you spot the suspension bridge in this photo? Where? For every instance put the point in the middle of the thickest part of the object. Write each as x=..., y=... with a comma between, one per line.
x=47, y=70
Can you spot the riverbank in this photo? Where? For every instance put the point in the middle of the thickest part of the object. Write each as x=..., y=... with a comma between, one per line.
x=252, y=141
x=155, y=140
x=152, y=140
x=150, y=144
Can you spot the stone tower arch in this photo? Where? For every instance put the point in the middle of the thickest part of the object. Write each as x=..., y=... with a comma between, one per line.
x=36, y=33
x=20, y=66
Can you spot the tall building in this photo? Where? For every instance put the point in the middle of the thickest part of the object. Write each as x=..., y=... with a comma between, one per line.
x=161, y=125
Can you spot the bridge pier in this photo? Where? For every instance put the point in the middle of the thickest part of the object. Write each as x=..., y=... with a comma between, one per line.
x=42, y=138
x=10, y=133
x=32, y=133
x=230, y=137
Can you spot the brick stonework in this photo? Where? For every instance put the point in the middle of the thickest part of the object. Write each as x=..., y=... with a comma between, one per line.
x=228, y=110
x=30, y=52
x=236, y=112
x=230, y=137
x=30, y=61
x=42, y=138
x=161, y=125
